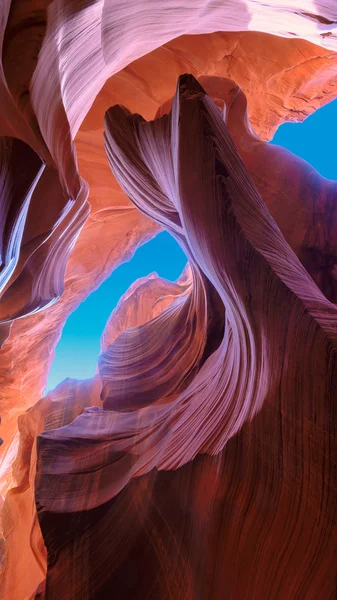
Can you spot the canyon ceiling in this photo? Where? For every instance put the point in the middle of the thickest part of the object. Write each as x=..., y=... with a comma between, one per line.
x=200, y=461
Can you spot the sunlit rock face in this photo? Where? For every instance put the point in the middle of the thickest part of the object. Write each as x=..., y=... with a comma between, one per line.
x=67, y=220
x=24, y=543
x=253, y=392
x=55, y=106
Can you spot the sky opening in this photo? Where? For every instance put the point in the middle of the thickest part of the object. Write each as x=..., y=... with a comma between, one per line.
x=78, y=349
x=77, y=352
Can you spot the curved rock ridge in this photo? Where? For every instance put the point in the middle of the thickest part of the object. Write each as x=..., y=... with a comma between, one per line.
x=25, y=553
x=25, y=565
x=15, y=198
x=263, y=364
x=41, y=221
x=284, y=79
x=145, y=299
x=48, y=97
x=289, y=178
x=303, y=204
x=147, y=356
x=135, y=310
x=45, y=95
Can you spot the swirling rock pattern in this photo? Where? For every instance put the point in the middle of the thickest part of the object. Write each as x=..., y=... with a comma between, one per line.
x=62, y=65
x=283, y=78
x=254, y=388
x=52, y=91
x=24, y=543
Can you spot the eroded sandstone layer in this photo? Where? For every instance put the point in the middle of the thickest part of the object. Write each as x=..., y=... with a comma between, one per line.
x=255, y=383
x=283, y=79
x=73, y=61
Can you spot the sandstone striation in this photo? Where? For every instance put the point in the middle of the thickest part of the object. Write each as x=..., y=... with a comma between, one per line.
x=255, y=385
x=24, y=546
x=65, y=224
x=283, y=79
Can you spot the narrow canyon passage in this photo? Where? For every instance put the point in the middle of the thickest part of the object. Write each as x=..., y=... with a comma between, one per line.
x=259, y=358
x=78, y=349
x=168, y=300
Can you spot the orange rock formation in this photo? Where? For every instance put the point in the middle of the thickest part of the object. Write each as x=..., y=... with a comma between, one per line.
x=66, y=224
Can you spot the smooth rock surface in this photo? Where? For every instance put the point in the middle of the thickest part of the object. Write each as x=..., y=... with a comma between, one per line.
x=63, y=65
x=254, y=391
x=283, y=79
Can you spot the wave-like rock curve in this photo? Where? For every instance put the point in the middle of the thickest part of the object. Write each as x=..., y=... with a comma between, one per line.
x=285, y=79
x=60, y=69
x=268, y=366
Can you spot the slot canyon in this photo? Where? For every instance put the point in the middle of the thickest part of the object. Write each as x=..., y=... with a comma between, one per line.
x=200, y=460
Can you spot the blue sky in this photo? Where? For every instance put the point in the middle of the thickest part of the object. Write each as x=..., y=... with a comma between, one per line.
x=314, y=139
x=78, y=349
